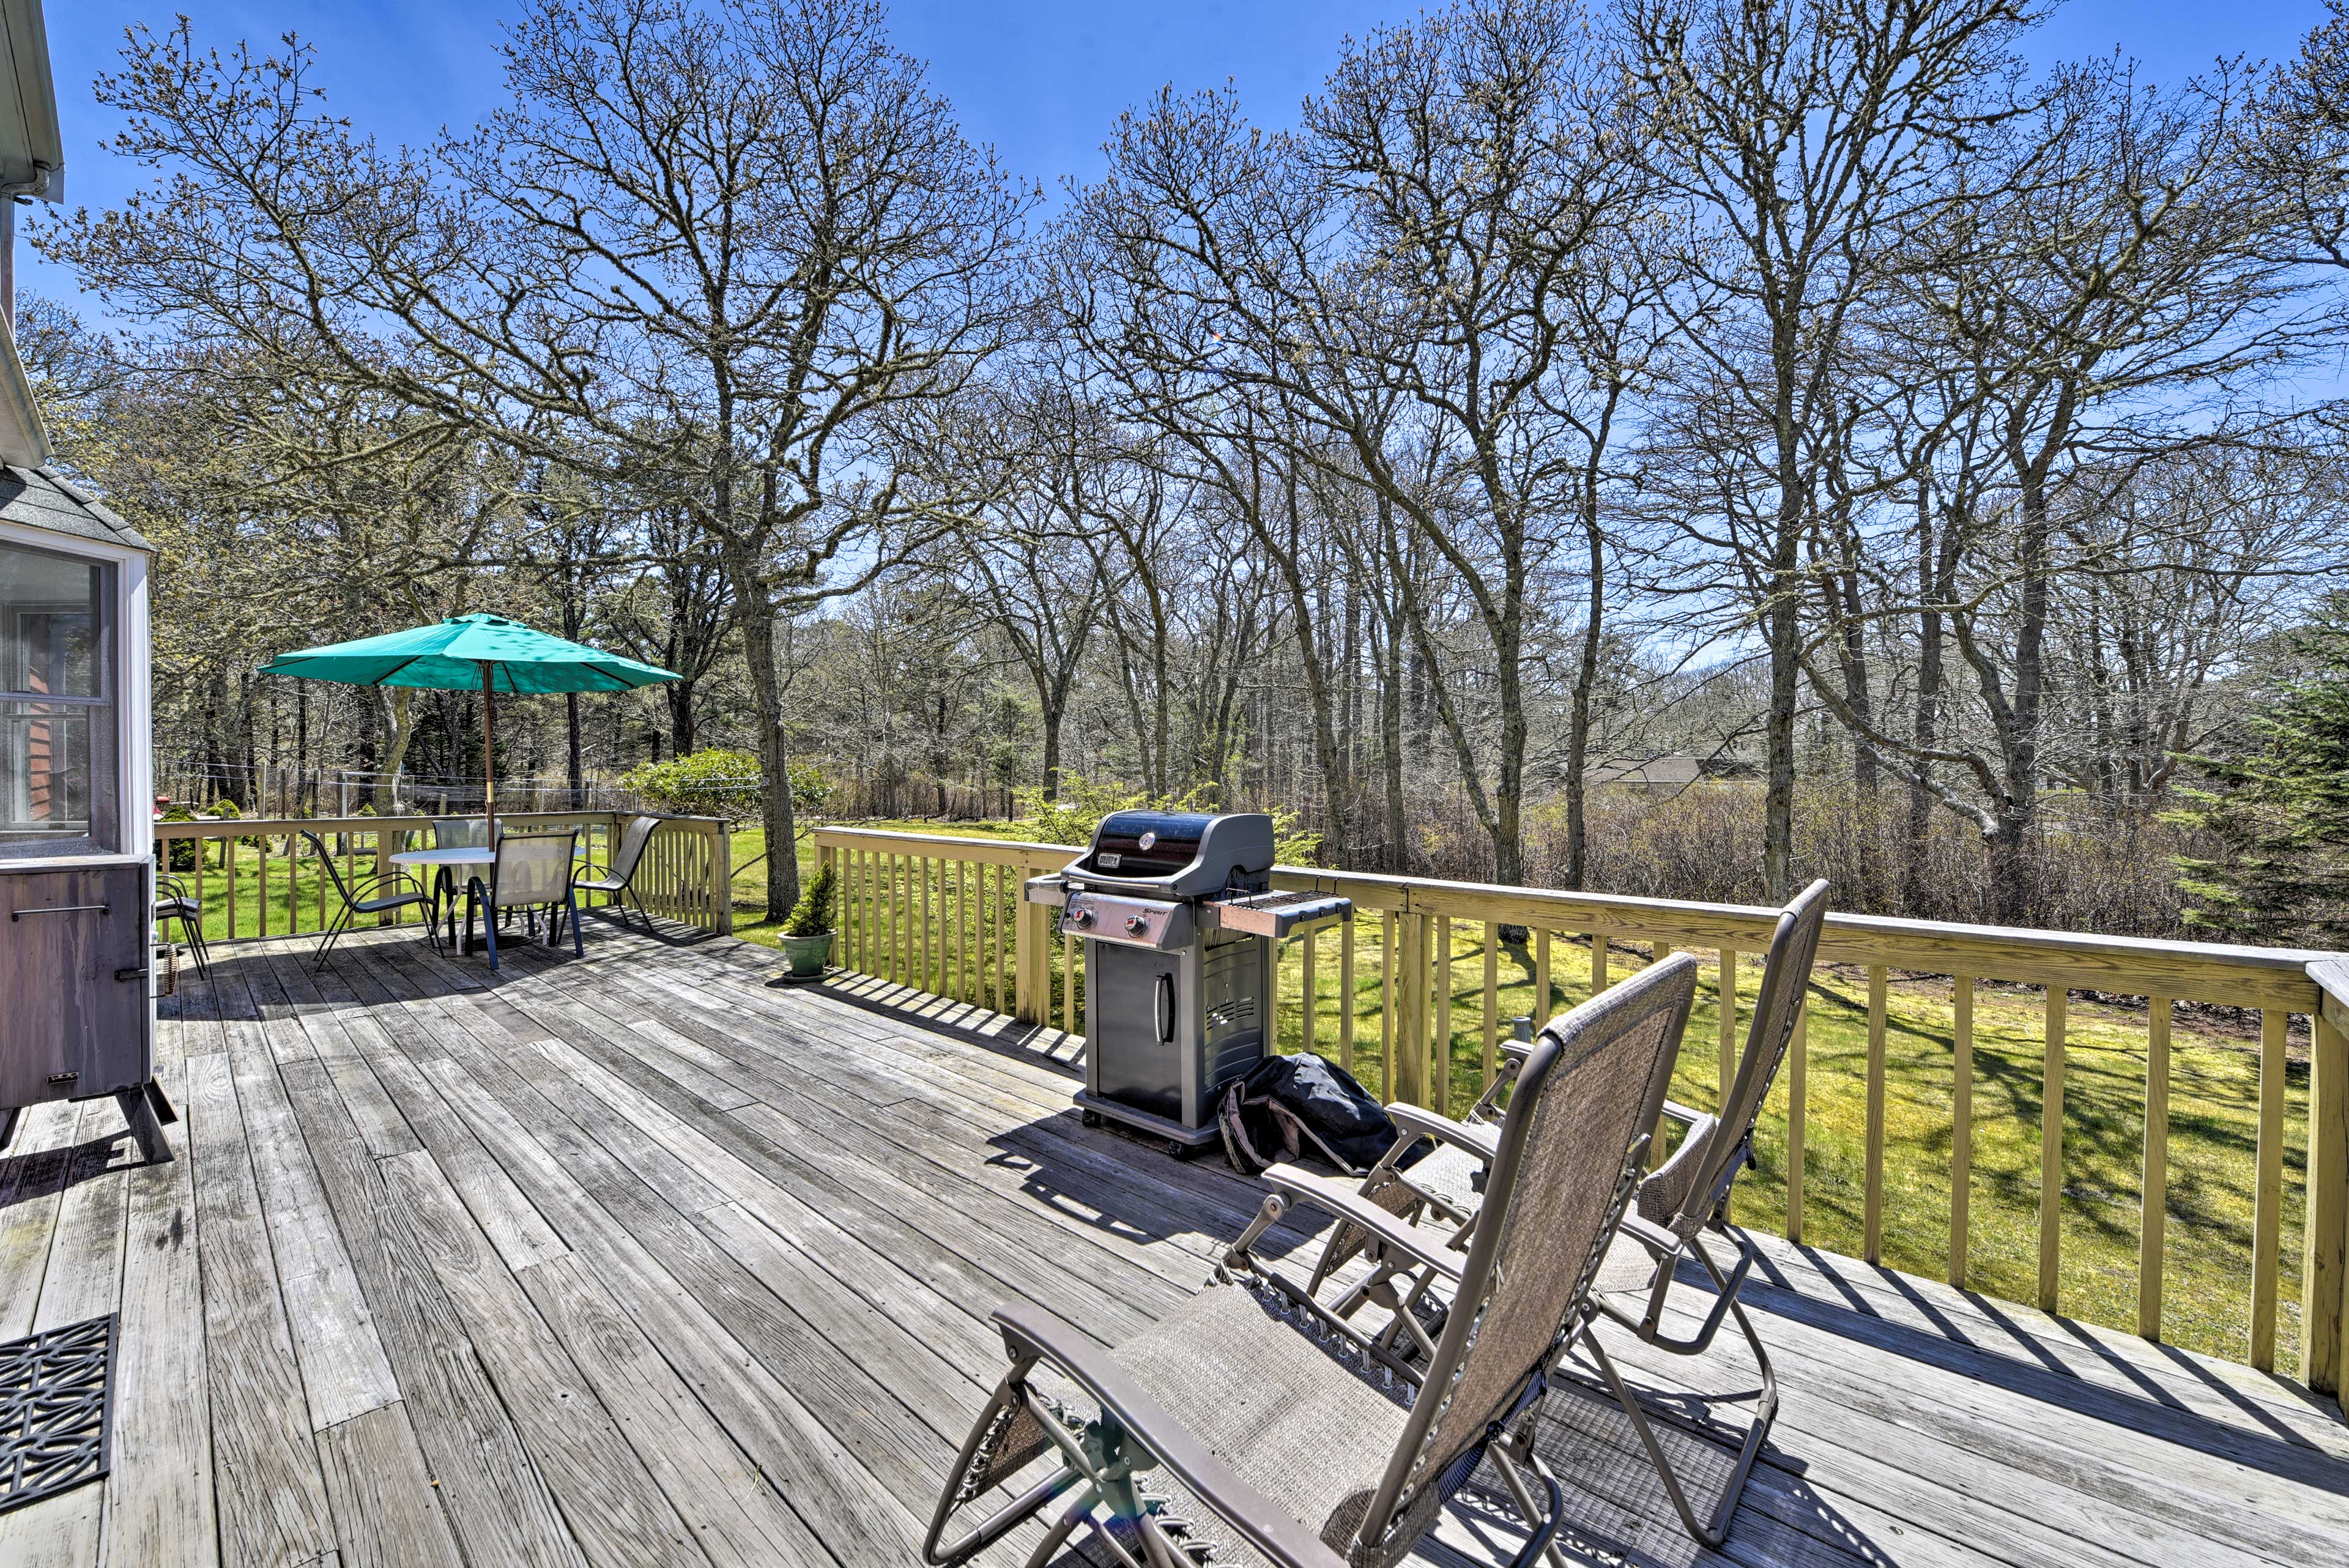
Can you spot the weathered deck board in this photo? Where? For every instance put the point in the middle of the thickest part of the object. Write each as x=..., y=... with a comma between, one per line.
x=637, y=1259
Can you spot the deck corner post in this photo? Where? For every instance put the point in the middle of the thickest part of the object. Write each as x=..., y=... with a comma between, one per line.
x=721, y=875
x=2325, y=1276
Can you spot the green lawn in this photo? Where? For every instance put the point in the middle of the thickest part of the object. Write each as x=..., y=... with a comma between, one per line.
x=2213, y=1111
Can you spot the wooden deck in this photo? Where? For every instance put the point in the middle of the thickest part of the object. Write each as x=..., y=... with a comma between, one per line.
x=638, y=1259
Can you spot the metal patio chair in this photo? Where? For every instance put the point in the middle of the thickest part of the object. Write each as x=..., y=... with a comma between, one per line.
x=452, y=833
x=174, y=902
x=615, y=880
x=1676, y=1205
x=365, y=896
x=531, y=871
x=1289, y=1429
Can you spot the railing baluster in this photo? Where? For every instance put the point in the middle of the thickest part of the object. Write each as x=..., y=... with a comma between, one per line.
x=1308, y=995
x=2050, y=1155
x=1346, y=995
x=1598, y=963
x=1068, y=985
x=1798, y=1062
x=1728, y=977
x=2267, y=1220
x=261, y=891
x=1961, y=1124
x=385, y=845
x=1492, y=1003
x=1541, y=979
x=1002, y=941
x=1387, y=1006
x=1440, y=1070
x=2153, y=1201
x=293, y=881
x=1872, y=1231
x=869, y=919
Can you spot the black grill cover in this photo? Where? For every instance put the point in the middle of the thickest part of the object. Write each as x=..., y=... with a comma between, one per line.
x=1289, y=1105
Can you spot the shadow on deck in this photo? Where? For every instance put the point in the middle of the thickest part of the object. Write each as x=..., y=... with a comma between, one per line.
x=640, y=1258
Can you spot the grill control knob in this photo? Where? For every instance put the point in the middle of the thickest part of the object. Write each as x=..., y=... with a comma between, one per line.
x=1137, y=924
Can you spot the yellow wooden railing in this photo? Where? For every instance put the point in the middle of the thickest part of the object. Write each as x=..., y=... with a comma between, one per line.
x=944, y=915
x=263, y=877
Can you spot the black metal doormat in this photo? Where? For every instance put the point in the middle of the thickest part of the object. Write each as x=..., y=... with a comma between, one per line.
x=57, y=1399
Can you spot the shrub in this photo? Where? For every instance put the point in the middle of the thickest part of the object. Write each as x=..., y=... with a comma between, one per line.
x=812, y=916
x=1083, y=801
x=183, y=850
x=716, y=781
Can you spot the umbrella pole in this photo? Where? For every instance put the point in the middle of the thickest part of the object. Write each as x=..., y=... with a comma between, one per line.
x=489, y=770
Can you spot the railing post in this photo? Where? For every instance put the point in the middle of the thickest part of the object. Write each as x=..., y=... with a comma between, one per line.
x=2324, y=1275
x=721, y=872
x=383, y=854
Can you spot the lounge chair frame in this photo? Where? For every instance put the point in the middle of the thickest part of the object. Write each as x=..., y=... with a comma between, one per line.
x=1612, y=1057
x=1677, y=1205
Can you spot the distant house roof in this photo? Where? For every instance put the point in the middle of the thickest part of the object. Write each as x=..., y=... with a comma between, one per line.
x=1663, y=773
x=43, y=498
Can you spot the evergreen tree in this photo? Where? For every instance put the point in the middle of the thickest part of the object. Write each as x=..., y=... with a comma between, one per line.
x=2279, y=812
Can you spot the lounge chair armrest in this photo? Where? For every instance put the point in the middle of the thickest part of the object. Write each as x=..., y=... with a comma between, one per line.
x=1343, y=1198
x=1517, y=1050
x=1269, y=1527
x=1686, y=1116
x=1655, y=1238
x=1483, y=1140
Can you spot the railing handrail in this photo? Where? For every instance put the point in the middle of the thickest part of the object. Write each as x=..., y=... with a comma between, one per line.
x=230, y=826
x=695, y=886
x=887, y=923
x=2224, y=973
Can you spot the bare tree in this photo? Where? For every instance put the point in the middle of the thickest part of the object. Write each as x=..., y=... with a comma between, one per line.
x=740, y=252
x=1803, y=139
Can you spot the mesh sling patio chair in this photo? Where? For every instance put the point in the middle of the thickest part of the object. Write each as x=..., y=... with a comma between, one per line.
x=366, y=894
x=452, y=833
x=1296, y=1439
x=615, y=880
x=1675, y=1205
x=174, y=902
x=531, y=871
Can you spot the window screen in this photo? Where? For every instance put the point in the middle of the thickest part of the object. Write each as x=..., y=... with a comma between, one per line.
x=57, y=762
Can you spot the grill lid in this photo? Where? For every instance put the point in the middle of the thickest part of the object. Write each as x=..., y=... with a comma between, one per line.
x=1147, y=842
x=1187, y=855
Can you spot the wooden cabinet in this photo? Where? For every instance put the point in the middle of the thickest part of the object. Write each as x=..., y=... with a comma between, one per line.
x=75, y=1018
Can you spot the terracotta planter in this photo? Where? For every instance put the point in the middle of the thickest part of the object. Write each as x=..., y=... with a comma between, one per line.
x=806, y=955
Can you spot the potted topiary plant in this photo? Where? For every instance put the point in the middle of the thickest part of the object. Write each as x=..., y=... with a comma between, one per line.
x=806, y=940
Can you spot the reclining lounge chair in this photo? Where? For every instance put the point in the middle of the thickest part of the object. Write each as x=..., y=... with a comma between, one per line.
x=1291, y=1434
x=1674, y=1207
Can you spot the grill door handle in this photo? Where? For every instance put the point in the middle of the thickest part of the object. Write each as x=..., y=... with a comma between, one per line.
x=1166, y=1008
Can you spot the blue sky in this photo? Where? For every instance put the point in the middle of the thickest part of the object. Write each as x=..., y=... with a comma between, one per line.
x=1042, y=79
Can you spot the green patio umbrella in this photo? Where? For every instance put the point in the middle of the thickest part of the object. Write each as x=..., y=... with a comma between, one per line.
x=465, y=651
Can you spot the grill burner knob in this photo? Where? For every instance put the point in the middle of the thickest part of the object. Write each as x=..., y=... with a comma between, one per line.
x=1137, y=924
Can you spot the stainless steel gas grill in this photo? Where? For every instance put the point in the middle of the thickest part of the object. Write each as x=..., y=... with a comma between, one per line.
x=1179, y=918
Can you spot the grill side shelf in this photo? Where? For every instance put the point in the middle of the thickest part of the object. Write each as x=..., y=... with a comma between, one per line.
x=1274, y=915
